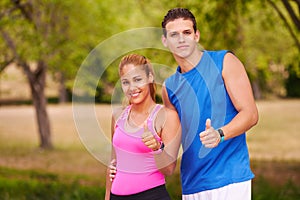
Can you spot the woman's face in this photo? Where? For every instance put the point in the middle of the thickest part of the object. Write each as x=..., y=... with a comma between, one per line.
x=135, y=83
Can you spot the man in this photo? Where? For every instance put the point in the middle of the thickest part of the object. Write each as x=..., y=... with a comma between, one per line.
x=212, y=94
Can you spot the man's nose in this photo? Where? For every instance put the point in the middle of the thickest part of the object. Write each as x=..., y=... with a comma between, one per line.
x=181, y=37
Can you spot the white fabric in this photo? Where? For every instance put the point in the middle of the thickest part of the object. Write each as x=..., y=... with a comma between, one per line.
x=235, y=191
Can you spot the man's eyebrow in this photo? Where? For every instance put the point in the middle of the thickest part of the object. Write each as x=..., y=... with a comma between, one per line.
x=173, y=31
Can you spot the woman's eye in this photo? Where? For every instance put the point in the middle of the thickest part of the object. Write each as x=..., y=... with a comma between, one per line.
x=125, y=82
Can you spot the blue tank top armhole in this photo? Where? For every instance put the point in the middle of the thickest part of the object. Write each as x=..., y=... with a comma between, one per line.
x=218, y=57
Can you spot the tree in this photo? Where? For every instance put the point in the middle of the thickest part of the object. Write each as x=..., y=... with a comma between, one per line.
x=292, y=23
x=34, y=35
x=51, y=37
x=294, y=19
x=19, y=41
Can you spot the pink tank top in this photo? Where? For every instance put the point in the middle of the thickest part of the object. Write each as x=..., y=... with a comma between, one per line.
x=136, y=168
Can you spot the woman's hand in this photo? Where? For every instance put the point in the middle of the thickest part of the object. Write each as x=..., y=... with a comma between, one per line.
x=149, y=139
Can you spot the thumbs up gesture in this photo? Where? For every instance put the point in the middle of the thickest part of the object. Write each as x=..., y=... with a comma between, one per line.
x=210, y=138
x=149, y=139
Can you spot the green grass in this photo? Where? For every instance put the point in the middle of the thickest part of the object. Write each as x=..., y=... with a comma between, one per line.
x=41, y=185
x=263, y=189
x=37, y=185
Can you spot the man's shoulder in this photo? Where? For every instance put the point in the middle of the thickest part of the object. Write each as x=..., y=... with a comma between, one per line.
x=218, y=56
x=217, y=53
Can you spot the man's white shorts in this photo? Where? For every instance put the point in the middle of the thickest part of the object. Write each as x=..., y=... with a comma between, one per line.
x=235, y=191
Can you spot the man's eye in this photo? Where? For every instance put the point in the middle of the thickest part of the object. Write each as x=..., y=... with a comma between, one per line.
x=173, y=34
x=187, y=33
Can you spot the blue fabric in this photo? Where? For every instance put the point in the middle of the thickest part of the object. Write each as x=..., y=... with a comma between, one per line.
x=197, y=95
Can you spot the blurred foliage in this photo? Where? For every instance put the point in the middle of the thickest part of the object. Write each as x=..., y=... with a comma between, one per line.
x=250, y=28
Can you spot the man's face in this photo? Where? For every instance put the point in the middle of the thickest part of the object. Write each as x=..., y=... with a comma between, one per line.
x=181, y=39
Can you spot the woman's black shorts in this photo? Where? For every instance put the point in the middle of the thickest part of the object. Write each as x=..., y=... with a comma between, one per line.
x=157, y=193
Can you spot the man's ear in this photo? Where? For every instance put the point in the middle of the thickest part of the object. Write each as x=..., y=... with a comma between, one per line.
x=197, y=36
x=164, y=41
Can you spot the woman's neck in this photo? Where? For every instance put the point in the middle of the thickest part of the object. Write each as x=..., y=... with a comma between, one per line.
x=143, y=108
x=139, y=113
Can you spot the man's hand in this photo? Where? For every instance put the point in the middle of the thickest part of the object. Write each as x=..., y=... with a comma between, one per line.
x=210, y=138
x=149, y=139
x=112, y=170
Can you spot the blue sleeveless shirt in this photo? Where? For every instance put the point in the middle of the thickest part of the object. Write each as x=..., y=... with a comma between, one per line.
x=197, y=95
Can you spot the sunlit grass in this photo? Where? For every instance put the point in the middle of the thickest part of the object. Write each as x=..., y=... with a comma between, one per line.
x=276, y=136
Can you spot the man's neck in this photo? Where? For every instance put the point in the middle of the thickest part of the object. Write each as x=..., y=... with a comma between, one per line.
x=186, y=64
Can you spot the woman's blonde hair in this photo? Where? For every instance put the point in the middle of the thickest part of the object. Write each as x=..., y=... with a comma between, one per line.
x=145, y=64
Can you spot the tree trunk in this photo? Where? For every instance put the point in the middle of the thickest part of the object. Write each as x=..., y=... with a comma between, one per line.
x=63, y=96
x=37, y=81
x=256, y=90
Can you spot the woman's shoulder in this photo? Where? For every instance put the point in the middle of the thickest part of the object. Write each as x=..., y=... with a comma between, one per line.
x=165, y=113
x=118, y=110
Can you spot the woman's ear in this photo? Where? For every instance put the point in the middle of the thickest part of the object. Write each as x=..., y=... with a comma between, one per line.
x=151, y=78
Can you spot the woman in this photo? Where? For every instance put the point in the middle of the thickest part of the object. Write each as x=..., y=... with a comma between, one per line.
x=145, y=136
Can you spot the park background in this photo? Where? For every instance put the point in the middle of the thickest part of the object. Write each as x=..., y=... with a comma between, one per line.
x=44, y=43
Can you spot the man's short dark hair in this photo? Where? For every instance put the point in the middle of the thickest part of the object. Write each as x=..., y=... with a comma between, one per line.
x=177, y=13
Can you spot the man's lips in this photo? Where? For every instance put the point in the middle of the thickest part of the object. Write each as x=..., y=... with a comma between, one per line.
x=182, y=47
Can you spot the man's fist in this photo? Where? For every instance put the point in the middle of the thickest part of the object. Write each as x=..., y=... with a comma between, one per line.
x=210, y=137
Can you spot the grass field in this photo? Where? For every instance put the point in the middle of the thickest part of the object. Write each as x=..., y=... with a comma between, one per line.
x=71, y=172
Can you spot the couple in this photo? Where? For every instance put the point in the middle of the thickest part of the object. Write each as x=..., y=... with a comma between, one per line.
x=208, y=106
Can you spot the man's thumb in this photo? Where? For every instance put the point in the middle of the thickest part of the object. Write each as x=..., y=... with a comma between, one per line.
x=207, y=124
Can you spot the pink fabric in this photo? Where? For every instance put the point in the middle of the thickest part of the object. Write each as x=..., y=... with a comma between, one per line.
x=136, y=168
